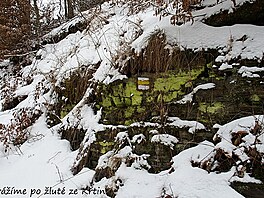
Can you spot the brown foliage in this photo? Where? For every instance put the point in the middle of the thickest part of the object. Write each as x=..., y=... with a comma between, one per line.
x=14, y=25
x=15, y=133
x=237, y=137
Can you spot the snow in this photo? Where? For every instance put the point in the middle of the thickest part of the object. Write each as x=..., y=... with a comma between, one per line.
x=41, y=162
x=55, y=5
x=144, y=124
x=185, y=181
x=202, y=36
x=173, y=121
x=138, y=138
x=189, y=97
x=101, y=42
x=225, y=66
x=6, y=117
x=243, y=124
x=249, y=71
x=124, y=152
x=4, y=63
x=154, y=131
x=187, y=35
x=121, y=136
x=223, y=5
x=192, y=125
x=166, y=139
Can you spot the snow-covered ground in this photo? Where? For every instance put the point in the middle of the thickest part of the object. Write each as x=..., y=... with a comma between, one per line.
x=44, y=161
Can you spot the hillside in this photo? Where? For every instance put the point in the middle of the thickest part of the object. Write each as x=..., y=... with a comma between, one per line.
x=126, y=100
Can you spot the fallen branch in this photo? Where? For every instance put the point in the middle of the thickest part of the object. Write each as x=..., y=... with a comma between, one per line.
x=19, y=55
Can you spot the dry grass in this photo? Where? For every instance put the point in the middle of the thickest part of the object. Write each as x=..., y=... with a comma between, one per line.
x=159, y=56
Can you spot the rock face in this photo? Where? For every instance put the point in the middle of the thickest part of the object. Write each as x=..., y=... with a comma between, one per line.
x=175, y=95
x=151, y=126
x=248, y=13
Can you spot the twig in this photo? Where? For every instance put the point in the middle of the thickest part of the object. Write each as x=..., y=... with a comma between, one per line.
x=64, y=181
x=53, y=156
x=19, y=55
x=58, y=170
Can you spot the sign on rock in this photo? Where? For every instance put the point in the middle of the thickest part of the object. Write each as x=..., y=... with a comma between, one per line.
x=143, y=83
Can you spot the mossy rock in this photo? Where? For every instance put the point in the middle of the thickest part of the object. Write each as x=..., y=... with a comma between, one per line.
x=66, y=109
x=106, y=146
x=123, y=103
x=160, y=157
x=71, y=90
x=214, y=108
x=255, y=99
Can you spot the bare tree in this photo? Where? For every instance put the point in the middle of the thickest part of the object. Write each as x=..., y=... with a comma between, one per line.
x=83, y=5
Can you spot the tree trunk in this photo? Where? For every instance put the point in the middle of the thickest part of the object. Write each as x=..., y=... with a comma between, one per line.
x=66, y=9
x=37, y=22
x=69, y=9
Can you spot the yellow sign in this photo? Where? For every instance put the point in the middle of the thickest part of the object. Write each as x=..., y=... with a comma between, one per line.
x=143, y=83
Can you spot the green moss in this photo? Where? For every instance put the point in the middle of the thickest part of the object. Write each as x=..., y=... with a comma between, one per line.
x=203, y=119
x=128, y=122
x=131, y=91
x=125, y=93
x=170, y=96
x=105, y=146
x=63, y=114
x=171, y=83
x=129, y=112
x=255, y=98
x=65, y=110
x=132, y=114
x=121, y=101
x=140, y=109
x=210, y=65
x=188, y=84
x=106, y=102
x=220, y=78
x=211, y=109
x=121, y=95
